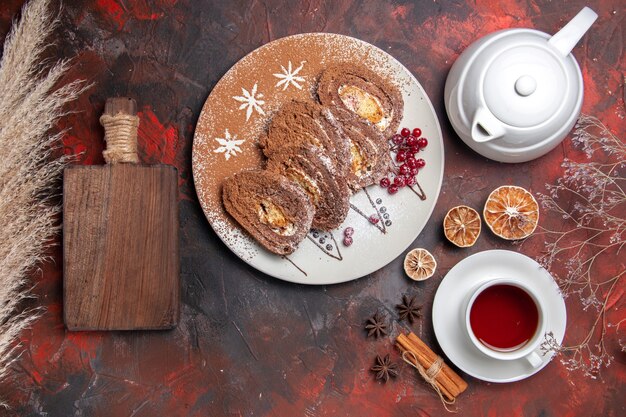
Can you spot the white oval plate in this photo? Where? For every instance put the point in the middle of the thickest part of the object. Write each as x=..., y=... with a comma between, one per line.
x=451, y=300
x=225, y=142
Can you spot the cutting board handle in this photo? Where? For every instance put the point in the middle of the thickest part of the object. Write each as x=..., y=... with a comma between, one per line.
x=120, y=124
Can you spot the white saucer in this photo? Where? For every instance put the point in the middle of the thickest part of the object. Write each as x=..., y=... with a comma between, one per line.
x=449, y=312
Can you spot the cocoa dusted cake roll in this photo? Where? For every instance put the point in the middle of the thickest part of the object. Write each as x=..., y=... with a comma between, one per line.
x=316, y=174
x=300, y=122
x=369, y=150
x=273, y=209
x=364, y=93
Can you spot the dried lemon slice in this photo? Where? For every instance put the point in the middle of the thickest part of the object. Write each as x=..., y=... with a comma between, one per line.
x=462, y=226
x=419, y=264
x=511, y=212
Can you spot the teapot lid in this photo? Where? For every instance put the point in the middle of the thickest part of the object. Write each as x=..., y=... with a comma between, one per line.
x=526, y=82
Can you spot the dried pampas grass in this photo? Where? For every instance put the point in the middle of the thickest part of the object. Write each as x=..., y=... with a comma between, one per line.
x=30, y=105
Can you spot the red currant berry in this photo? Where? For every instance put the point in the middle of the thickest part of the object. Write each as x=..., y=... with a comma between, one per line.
x=414, y=170
x=374, y=219
x=405, y=169
x=412, y=141
x=385, y=182
x=401, y=156
x=393, y=188
x=348, y=231
x=417, y=132
x=347, y=241
x=405, y=132
x=411, y=162
x=397, y=139
x=399, y=181
x=422, y=142
x=410, y=181
x=414, y=149
x=421, y=163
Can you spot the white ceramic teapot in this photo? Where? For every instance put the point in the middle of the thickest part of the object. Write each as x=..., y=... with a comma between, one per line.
x=514, y=95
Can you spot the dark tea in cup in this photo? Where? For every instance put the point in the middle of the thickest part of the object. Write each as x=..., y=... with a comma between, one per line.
x=504, y=317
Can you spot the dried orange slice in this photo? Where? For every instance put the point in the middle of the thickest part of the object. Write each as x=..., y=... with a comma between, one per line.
x=419, y=264
x=462, y=226
x=511, y=212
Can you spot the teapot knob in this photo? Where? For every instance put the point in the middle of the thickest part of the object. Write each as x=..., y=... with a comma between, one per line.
x=525, y=85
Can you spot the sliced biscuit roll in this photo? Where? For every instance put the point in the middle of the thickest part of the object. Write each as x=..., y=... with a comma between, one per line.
x=369, y=150
x=272, y=208
x=365, y=94
x=300, y=122
x=316, y=174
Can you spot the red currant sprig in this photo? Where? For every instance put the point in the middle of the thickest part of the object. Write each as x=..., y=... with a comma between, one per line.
x=406, y=145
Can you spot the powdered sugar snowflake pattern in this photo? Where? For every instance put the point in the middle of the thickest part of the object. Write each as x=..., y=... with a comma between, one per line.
x=290, y=76
x=251, y=100
x=230, y=145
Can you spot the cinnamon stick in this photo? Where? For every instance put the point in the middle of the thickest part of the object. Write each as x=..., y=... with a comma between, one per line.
x=442, y=378
x=449, y=372
x=445, y=386
x=449, y=382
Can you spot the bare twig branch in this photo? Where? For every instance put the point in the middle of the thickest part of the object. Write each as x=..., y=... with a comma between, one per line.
x=595, y=232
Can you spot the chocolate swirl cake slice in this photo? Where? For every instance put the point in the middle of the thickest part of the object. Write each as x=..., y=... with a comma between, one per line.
x=300, y=122
x=369, y=150
x=316, y=174
x=364, y=93
x=272, y=208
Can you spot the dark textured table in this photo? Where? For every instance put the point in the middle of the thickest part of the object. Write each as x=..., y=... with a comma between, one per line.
x=249, y=344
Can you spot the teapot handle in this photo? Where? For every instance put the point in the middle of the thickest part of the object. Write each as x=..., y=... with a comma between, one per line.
x=486, y=126
x=566, y=39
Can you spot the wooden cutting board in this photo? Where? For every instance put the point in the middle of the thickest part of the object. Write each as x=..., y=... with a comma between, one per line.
x=120, y=237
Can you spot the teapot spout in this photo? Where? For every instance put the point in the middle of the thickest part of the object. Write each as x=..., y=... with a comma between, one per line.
x=486, y=126
x=566, y=39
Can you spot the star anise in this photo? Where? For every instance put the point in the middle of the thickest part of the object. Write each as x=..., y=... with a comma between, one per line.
x=409, y=309
x=384, y=368
x=376, y=326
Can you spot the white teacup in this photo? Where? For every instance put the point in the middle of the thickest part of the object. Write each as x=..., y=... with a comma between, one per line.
x=528, y=350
